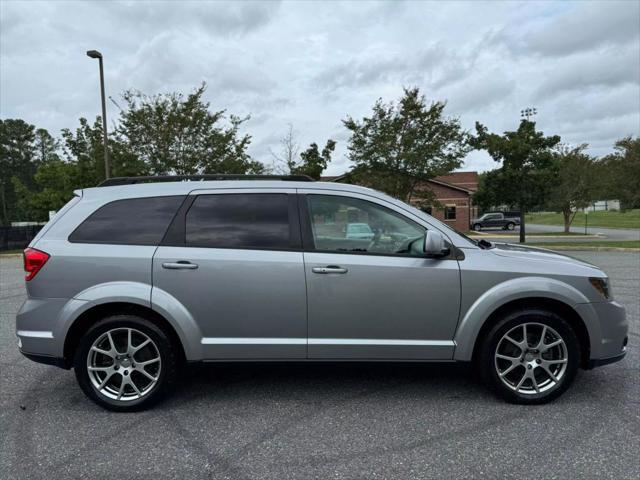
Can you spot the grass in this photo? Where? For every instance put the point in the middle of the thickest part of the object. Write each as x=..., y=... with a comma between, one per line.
x=587, y=245
x=555, y=234
x=530, y=234
x=10, y=252
x=603, y=219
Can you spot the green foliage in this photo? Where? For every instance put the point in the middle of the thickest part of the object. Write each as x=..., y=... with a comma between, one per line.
x=486, y=197
x=313, y=162
x=55, y=181
x=174, y=134
x=526, y=172
x=19, y=159
x=46, y=147
x=574, y=183
x=402, y=145
x=620, y=173
x=600, y=218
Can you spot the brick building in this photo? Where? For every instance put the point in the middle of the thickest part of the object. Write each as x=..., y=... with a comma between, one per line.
x=453, y=191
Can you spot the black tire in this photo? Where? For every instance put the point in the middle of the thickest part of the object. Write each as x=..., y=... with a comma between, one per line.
x=511, y=226
x=477, y=227
x=533, y=317
x=167, y=370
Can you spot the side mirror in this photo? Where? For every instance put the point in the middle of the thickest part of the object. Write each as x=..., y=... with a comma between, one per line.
x=434, y=245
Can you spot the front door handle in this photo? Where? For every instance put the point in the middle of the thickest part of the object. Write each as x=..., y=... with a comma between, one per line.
x=329, y=269
x=180, y=265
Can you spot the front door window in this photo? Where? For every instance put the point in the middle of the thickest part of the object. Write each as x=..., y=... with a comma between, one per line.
x=352, y=225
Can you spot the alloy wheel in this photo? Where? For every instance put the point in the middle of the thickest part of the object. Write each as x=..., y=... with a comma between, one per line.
x=531, y=358
x=124, y=364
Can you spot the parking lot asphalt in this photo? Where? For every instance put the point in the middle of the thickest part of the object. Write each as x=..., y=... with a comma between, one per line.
x=321, y=421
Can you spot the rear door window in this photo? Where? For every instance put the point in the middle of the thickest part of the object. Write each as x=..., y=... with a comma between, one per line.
x=242, y=220
x=132, y=221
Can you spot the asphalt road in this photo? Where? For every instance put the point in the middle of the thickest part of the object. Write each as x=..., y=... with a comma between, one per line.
x=532, y=229
x=322, y=420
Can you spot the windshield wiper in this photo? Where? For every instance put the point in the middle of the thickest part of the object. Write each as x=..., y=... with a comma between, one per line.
x=484, y=244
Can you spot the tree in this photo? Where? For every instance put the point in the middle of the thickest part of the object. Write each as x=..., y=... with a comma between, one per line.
x=402, y=145
x=46, y=147
x=620, y=173
x=574, y=182
x=286, y=159
x=18, y=159
x=55, y=182
x=485, y=195
x=525, y=175
x=85, y=149
x=174, y=134
x=313, y=162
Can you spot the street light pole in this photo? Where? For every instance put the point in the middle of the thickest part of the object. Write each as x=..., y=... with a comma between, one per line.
x=98, y=55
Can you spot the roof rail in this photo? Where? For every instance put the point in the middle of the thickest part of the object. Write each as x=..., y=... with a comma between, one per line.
x=111, y=182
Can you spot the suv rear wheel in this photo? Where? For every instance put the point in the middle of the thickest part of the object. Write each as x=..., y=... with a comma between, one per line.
x=530, y=356
x=125, y=363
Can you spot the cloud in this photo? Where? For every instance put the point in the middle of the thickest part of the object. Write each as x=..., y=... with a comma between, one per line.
x=600, y=69
x=578, y=27
x=312, y=64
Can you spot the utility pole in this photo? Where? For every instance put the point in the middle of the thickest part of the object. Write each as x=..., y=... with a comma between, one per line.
x=98, y=55
x=526, y=114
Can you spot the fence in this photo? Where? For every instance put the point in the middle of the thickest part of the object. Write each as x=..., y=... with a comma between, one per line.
x=17, y=238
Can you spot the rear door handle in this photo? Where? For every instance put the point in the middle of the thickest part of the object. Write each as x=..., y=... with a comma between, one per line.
x=180, y=265
x=329, y=269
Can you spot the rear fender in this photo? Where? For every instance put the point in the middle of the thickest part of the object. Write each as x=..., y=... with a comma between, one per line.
x=139, y=294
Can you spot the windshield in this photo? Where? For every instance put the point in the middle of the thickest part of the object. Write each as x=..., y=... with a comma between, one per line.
x=429, y=218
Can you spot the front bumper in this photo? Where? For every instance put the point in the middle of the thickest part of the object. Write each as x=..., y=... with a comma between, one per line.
x=608, y=329
x=599, y=362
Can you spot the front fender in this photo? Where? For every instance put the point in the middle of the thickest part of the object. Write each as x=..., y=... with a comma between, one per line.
x=511, y=290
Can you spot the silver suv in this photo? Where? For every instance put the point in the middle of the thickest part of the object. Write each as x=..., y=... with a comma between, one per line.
x=132, y=279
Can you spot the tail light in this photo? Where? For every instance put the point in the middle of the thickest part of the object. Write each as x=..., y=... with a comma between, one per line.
x=34, y=260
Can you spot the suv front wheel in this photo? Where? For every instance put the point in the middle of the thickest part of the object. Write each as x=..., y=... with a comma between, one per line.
x=530, y=356
x=125, y=363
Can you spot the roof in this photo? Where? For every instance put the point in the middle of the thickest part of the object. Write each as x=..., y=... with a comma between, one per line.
x=438, y=180
x=183, y=188
x=449, y=185
x=468, y=180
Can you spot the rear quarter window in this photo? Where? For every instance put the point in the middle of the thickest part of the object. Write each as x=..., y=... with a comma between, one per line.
x=132, y=221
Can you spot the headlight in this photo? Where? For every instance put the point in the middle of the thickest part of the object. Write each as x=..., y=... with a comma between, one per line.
x=601, y=285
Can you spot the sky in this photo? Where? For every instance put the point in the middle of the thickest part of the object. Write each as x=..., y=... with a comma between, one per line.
x=312, y=64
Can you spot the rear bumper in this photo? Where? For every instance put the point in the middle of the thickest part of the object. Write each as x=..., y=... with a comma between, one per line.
x=37, y=327
x=47, y=360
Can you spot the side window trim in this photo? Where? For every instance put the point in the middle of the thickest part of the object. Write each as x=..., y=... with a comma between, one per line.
x=175, y=236
x=176, y=233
